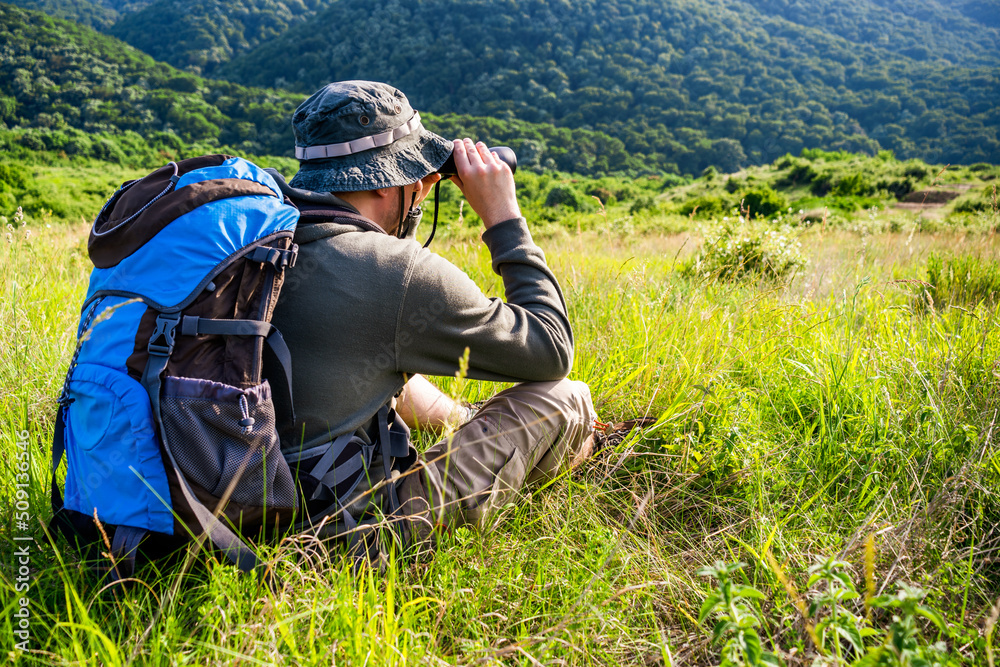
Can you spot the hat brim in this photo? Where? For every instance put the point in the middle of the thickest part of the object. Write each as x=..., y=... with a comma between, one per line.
x=400, y=163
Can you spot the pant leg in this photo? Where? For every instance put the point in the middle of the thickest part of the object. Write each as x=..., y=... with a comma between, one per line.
x=525, y=433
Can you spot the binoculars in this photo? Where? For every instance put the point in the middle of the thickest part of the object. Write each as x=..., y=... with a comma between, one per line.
x=505, y=154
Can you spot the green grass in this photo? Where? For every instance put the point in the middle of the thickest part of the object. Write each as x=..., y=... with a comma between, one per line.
x=797, y=420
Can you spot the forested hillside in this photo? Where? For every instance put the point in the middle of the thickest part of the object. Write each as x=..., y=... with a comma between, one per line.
x=199, y=35
x=100, y=14
x=669, y=85
x=57, y=74
x=962, y=32
x=60, y=80
x=696, y=81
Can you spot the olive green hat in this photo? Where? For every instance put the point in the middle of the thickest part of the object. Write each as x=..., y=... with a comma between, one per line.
x=362, y=135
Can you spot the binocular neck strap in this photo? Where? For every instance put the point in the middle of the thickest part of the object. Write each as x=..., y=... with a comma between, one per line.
x=437, y=188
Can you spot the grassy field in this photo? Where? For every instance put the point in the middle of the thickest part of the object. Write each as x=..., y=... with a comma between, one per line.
x=832, y=428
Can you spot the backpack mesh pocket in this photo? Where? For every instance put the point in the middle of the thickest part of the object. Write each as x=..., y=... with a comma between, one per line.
x=221, y=435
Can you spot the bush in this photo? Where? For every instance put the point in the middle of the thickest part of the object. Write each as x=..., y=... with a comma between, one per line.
x=644, y=203
x=986, y=201
x=564, y=195
x=856, y=184
x=962, y=279
x=704, y=206
x=916, y=170
x=763, y=202
x=13, y=177
x=747, y=251
x=605, y=195
x=899, y=187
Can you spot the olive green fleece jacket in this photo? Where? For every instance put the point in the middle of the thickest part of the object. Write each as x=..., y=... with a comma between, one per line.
x=361, y=310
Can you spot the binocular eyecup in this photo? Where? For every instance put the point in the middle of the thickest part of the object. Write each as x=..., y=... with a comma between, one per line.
x=505, y=154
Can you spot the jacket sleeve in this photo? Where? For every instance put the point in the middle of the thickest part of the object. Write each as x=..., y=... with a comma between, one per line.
x=443, y=311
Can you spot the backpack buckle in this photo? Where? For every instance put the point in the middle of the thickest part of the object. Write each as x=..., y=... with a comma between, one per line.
x=276, y=257
x=161, y=342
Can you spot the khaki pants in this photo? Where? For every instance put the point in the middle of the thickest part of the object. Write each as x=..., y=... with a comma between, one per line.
x=527, y=433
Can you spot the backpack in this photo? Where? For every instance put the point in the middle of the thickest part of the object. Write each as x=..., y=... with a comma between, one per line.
x=167, y=426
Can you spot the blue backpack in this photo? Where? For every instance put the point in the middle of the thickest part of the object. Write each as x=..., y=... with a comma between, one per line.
x=166, y=423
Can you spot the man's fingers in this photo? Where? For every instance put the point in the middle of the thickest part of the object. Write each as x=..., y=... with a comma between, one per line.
x=485, y=153
x=461, y=155
x=473, y=153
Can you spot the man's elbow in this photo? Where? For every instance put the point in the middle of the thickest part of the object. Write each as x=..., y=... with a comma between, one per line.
x=558, y=362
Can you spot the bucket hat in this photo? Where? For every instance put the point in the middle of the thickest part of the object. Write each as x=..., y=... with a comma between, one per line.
x=362, y=135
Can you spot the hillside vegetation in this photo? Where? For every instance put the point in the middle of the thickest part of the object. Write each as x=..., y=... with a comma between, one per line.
x=683, y=85
x=99, y=14
x=699, y=82
x=65, y=87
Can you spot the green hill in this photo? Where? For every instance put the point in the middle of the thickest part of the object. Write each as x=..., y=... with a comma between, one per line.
x=697, y=81
x=56, y=75
x=683, y=84
x=198, y=35
x=66, y=88
x=963, y=33
x=99, y=14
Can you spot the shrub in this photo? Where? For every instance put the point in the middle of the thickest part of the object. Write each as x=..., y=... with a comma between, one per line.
x=987, y=201
x=856, y=184
x=641, y=204
x=763, y=202
x=31, y=141
x=12, y=176
x=962, y=279
x=899, y=187
x=799, y=172
x=915, y=169
x=605, y=195
x=704, y=206
x=747, y=251
x=564, y=195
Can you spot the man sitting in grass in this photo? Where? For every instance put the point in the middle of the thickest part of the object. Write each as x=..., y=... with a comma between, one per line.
x=367, y=310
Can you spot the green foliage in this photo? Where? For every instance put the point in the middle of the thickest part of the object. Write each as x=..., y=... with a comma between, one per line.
x=736, y=620
x=700, y=93
x=56, y=77
x=981, y=202
x=904, y=645
x=199, y=36
x=739, y=250
x=961, y=280
x=788, y=416
x=97, y=14
x=63, y=76
x=570, y=197
x=837, y=627
x=839, y=633
x=675, y=81
x=706, y=206
x=763, y=202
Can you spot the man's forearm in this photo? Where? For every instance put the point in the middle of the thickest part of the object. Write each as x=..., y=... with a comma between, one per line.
x=422, y=405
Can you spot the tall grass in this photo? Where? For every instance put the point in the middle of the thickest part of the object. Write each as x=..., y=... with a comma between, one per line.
x=797, y=421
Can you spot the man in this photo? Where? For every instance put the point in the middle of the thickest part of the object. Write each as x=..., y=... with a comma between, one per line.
x=367, y=310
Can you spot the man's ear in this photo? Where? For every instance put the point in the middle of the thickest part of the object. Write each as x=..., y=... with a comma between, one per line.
x=384, y=192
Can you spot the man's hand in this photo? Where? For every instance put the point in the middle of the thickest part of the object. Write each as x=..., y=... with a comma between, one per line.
x=486, y=182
